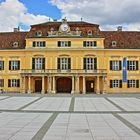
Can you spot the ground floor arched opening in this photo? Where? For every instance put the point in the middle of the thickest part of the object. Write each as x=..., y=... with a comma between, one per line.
x=90, y=86
x=64, y=85
x=38, y=86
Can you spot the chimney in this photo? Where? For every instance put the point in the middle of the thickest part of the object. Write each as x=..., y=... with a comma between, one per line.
x=17, y=29
x=119, y=28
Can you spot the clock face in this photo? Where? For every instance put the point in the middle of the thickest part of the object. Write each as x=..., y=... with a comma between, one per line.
x=64, y=27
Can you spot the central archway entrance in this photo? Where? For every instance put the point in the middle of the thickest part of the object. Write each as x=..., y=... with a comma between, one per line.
x=64, y=85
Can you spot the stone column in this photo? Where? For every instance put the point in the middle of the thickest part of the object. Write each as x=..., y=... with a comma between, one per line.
x=73, y=85
x=23, y=84
x=54, y=89
x=43, y=88
x=104, y=84
x=77, y=84
x=49, y=84
x=29, y=84
x=84, y=85
x=98, y=85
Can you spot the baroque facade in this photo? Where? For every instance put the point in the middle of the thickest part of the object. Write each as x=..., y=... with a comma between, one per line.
x=69, y=57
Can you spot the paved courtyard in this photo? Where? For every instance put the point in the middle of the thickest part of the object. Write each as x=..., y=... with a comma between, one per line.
x=69, y=117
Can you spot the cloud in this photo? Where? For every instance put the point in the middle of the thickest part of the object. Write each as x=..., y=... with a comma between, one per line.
x=13, y=13
x=107, y=13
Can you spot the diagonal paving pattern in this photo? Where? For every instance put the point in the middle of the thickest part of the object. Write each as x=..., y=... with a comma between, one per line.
x=132, y=118
x=94, y=104
x=129, y=104
x=89, y=127
x=14, y=103
x=21, y=126
x=69, y=117
x=3, y=97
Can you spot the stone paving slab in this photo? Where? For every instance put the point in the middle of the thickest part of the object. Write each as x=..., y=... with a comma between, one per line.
x=89, y=127
x=51, y=104
x=3, y=97
x=132, y=118
x=128, y=104
x=14, y=103
x=94, y=104
x=21, y=126
x=69, y=118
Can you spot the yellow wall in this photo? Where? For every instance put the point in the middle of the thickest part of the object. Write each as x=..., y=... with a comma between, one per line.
x=75, y=42
x=76, y=52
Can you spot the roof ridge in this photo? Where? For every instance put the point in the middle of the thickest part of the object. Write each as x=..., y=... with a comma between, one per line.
x=69, y=22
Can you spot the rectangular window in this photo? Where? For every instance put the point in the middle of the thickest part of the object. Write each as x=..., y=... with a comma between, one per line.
x=38, y=63
x=90, y=43
x=115, y=83
x=132, y=65
x=1, y=82
x=14, y=65
x=132, y=83
x=115, y=65
x=39, y=43
x=64, y=63
x=64, y=43
x=13, y=83
x=90, y=63
x=1, y=65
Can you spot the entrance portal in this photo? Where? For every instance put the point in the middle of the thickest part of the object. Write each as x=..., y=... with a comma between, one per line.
x=90, y=86
x=38, y=85
x=64, y=85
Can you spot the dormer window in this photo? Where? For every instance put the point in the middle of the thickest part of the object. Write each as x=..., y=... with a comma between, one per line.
x=38, y=33
x=114, y=43
x=89, y=32
x=15, y=44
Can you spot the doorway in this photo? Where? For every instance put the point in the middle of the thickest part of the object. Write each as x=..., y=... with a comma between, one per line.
x=64, y=85
x=38, y=85
x=90, y=86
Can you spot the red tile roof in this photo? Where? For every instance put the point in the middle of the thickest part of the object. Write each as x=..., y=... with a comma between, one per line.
x=45, y=27
x=72, y=23
x=124, y=39
x=8, y=38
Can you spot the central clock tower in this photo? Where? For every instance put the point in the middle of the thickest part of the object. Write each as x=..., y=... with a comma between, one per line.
x=64, y=27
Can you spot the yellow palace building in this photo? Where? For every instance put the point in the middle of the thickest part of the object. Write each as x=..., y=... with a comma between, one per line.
x=69, y=57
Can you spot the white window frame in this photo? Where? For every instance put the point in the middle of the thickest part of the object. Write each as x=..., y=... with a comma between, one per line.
x=64, y=43
x=13, y=82
x=132, y=84
x=115, y=83
x=89, y=63
x=38, y=63
x=90, y=44
x=14, y=65
x=132, y=65
x=64, y=63
x=39, y=43
x=115, y=65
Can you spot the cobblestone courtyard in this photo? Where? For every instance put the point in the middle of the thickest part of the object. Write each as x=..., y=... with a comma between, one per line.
x=69, y=117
